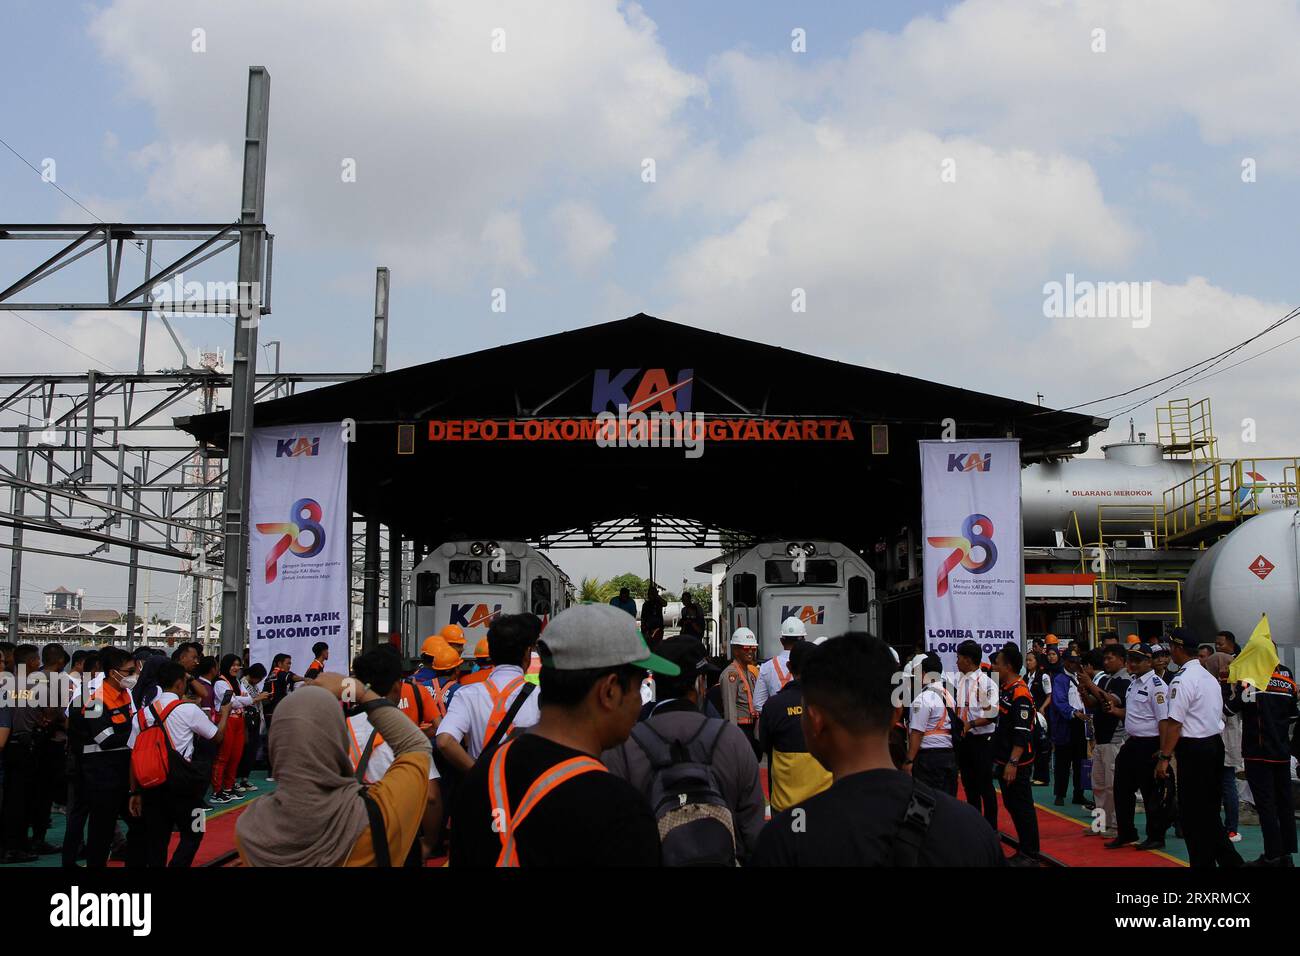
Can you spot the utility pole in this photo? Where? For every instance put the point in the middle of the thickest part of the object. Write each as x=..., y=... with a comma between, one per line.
x=134, y=566
x=16, y=558
x=234, y=585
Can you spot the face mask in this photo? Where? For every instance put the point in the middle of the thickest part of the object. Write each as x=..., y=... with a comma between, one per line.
x=127, y=682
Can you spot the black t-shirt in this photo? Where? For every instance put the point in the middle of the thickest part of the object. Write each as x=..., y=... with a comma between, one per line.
x=278, y=687
x=593, y=819
x=692, y=620
x=1104, y=723
x=854, y=823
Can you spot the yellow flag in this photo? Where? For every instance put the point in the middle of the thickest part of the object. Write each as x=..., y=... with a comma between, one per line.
x=1257, y=660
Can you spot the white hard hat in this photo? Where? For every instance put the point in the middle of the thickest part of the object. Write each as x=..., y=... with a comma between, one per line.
x=744, y=637
x=793, y=627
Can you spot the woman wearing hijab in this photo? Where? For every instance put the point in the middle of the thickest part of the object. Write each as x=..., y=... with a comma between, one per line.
x=319, y=815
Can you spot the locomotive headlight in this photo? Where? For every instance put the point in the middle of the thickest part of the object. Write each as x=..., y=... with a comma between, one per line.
x=476, y=549
x=491, y=547
x=792, y=549
x=808, y=549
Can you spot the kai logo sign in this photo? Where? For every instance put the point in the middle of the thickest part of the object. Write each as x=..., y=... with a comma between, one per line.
x=474, y=615
x=300, y=447
x=972, y=462
x=808, y=613
x=641, y=390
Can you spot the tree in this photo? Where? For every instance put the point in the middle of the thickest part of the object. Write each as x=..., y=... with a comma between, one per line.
x=703, y=595
x=634, y=583
x=594, y=591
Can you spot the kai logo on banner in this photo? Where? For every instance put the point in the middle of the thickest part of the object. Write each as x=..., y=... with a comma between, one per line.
x=299, y=447
x=807, y=613
x=654, y=390
x=972, y=462
x=474, y=615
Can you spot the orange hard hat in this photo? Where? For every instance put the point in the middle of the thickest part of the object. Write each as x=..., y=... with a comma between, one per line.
x=1133, y=639
x=1052, y=639
x=453, y=634
x=445, y=657
x=481, y=649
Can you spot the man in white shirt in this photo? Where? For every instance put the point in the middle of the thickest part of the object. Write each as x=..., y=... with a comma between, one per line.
x=1146, y=704
x=479, y=712
x=1192, y=730
x=930, y=757
x=177, y=804
x=775, y=672
x=977, y=706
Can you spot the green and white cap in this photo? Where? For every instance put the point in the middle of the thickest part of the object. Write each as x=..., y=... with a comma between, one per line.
x=596, y=636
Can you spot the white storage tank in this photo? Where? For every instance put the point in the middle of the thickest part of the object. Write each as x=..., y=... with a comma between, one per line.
x=1131, y=473
x=1253, y=570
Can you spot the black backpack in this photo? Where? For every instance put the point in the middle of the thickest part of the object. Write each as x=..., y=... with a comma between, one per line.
x=696, y=827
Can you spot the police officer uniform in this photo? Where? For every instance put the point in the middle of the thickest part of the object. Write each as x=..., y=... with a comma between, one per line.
x=1146, y=703
x=1196, y=703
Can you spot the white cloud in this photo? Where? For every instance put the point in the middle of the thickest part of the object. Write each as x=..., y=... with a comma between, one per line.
x=585, y=234
x=1189, y=321
x=890, y=256
x=446, y=134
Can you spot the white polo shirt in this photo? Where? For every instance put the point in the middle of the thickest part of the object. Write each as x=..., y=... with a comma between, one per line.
x=183, y=724
x=768, y=684
x=381, y=755
x=1196, y=701
x=977, y=697
x=471, y=707
x=1145, y=705
x=928, y=712
x=238, y=702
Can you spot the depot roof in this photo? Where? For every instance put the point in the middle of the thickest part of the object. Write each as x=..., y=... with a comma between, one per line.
x=762, y=478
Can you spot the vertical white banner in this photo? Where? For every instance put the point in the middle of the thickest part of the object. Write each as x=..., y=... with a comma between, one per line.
x=298, y=544
x=974, y=573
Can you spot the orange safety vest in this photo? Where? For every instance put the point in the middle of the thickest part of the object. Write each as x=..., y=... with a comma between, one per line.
x=781, y=675
x=942, y=726
x=412, y=701
x=749, y=693
x=355, y=751
x=440, y=698
x=500, y=704
x=477, y=677
x=548, y=781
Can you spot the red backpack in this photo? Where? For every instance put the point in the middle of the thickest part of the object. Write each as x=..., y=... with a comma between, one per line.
x=151, y=757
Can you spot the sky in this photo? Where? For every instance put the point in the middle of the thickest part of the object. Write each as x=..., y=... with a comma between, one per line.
x=923, y=172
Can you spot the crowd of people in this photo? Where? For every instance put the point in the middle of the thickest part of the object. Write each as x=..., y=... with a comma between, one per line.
x=1124, y=721
x=586, y=745
x=70, y=724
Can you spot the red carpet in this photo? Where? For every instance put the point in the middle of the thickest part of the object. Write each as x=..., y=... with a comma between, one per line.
x=1063, y=839
x=218, y=840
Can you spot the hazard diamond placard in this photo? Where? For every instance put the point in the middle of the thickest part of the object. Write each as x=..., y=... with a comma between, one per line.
x=1261, y=566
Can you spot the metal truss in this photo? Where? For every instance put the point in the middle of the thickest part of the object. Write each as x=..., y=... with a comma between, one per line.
x=641, y=531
